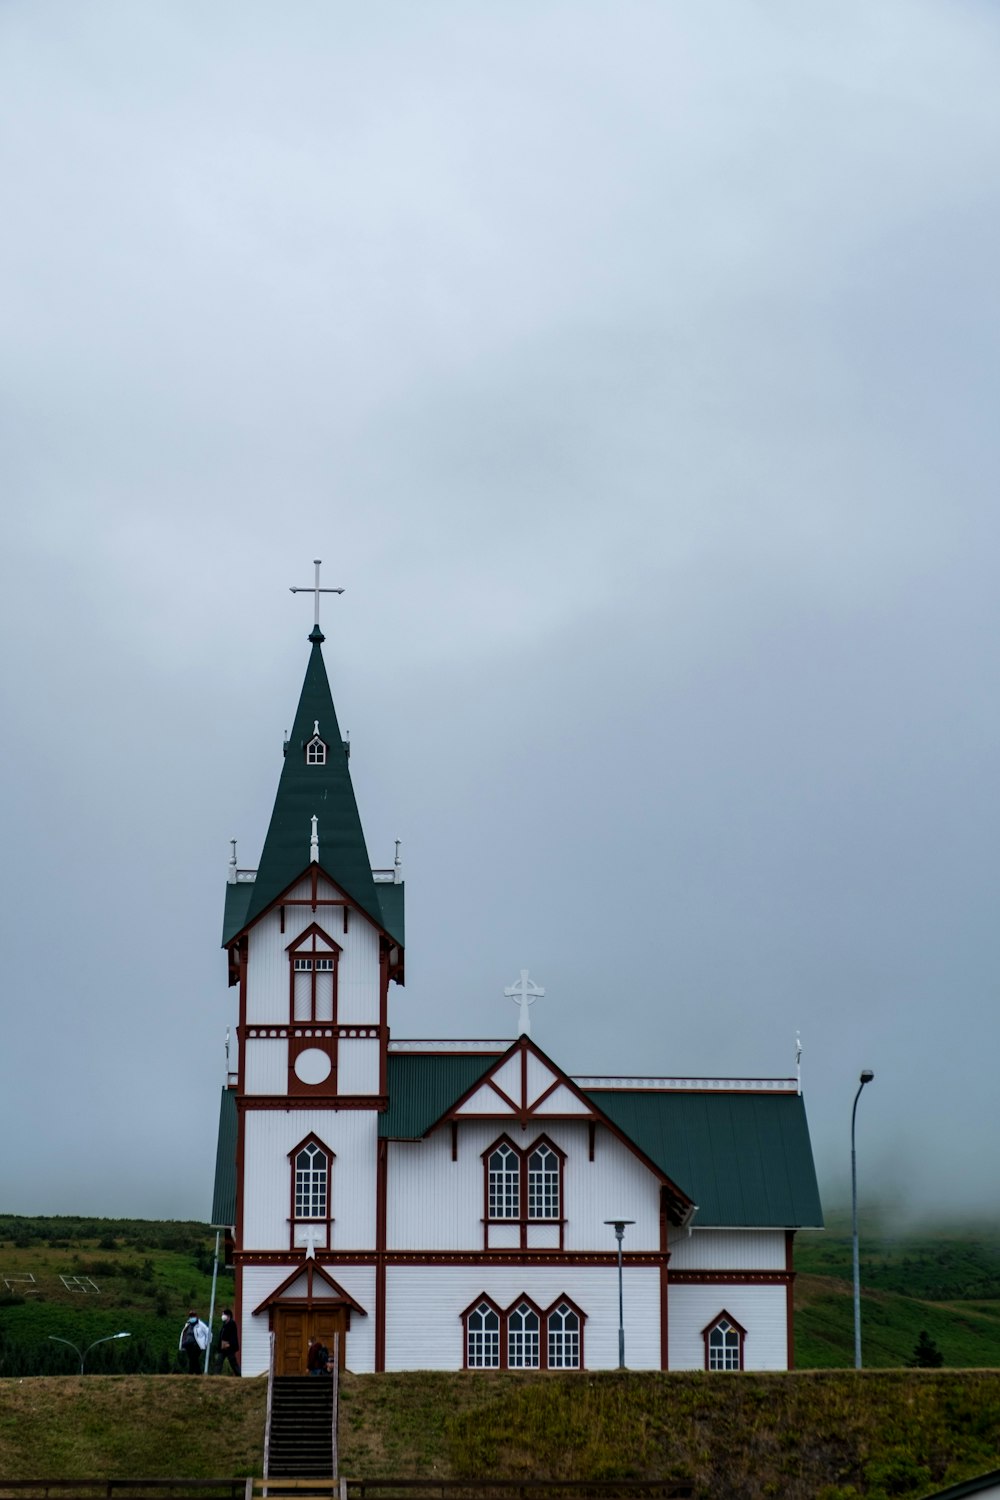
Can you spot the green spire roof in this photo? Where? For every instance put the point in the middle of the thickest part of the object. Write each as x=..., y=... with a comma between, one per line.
x=322, y=791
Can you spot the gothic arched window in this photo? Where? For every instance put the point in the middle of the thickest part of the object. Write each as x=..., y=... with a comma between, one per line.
x=724, y=1339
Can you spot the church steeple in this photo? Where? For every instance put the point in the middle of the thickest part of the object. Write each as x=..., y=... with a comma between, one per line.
x=315, y=783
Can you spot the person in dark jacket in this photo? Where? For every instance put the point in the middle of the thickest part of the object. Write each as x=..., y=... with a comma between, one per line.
x=229, y=1343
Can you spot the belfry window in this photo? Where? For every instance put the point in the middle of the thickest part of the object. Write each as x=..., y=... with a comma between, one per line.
x=313, y=977
x=316, y=752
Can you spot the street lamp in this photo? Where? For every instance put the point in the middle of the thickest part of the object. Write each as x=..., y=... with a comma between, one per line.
x=619, y=1226
x=866, y=1077
x=83, y=1354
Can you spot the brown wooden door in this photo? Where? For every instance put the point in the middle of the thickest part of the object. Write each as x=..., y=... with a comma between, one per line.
x=295, y=1326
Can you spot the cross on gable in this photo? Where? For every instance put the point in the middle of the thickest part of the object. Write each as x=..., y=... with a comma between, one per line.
x=315, y=591
x=310, y=1236
x=524, y=994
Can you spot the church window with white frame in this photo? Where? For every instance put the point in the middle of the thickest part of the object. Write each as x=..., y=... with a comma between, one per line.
x=564, y=1338
x=483, y=1338
x=543, y=1183
x=504, y=1182
x=312, y=1179
x=523, y=1346
x=724, y=1340
x=316, y=752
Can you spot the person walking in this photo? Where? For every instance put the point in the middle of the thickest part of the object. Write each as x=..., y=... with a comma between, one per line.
x=194, y=1340
x=229, y=1343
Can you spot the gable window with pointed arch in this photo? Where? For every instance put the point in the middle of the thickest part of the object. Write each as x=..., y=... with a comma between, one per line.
x=523, y=1184
x=724, y=1343
x=313, y=961
x=311, y=1182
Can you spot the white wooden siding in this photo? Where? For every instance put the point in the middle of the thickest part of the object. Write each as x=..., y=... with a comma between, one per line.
x=727, y=1250
x=562, y=1102
x=760, y=1309
x=485, y=1101
x=435, y=1203
x=425, y=1304
x=509, y=1078
x=539, y=1078
x=270, y=1135
x=266, y=1064
x=258, y=1281
x=267, y=962
x=357, y=1065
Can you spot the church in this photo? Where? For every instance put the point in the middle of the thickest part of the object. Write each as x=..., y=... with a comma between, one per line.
x=467, y=1204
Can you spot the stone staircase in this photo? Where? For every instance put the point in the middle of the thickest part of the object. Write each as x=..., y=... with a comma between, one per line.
x=301, y=1427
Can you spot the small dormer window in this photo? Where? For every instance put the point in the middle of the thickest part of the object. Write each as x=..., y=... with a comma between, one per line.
x=315, y=752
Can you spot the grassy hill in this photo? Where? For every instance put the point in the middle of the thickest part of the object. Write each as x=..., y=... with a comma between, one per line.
x=823, y=1436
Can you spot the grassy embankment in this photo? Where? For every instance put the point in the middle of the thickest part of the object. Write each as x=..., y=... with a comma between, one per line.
x=825, y=1436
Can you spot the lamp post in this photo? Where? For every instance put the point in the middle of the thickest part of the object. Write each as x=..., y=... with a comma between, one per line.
x=866, y=1077
x=619, y=1227
x=83, y=1353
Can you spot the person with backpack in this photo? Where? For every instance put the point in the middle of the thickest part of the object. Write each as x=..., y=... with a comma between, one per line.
x=317, y=1358
x=194, y=1340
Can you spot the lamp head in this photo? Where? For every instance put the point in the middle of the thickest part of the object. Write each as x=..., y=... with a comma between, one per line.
x=866, y=1075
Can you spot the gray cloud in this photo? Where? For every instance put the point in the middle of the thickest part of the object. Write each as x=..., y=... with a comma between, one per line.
x=634, y=367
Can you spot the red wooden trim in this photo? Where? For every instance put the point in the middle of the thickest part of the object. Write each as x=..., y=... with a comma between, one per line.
x=381, y=1200
x=505, y=1097
x=313, y=901
x=281, y=913
x=454, y=1140
x=512, y=1257
x=731, y=1278
x=383, y=1016
x=314, y=931
x=314, y=1101
x=523, y=1044
x=789, y=1243
x=591, y=1137
x=312, y=1268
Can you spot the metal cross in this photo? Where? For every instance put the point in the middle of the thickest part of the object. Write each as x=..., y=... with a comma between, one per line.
x=315, y=590
x=523, y=994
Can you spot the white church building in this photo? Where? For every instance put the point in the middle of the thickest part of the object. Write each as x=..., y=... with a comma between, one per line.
x=445, y=1204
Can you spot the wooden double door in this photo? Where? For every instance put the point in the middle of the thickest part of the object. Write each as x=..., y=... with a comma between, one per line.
x=295, y=1326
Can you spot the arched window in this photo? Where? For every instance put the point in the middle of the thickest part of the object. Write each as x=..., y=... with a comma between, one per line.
x=523, y=1351
x=312, y=1175
x=543, y=1183
x=483, y=1338
x=504, y=1183
x=724, y=1344
x=564, y=1338
x=315, y=752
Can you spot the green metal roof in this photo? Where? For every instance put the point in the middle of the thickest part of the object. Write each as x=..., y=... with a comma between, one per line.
x=224, y=1197
x=745, y=1159
x=390, y=899
x=325, y=792
x=422, y=1085
x=237, y=904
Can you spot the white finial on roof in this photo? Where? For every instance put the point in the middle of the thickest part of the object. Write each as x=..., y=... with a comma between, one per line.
x=798, y=1059
x=314, y=842
x=316, y=727
x=524, y=994
x=397, y=865
x=231, y=876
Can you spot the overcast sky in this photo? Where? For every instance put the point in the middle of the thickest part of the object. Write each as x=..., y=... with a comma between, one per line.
x=634, y=367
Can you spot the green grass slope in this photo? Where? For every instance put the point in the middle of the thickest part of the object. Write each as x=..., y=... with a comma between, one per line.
x=823, y=1436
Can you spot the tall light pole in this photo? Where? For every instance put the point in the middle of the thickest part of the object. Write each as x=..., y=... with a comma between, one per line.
x=82, y=1354
x=866, y=1077
x=619, y=1226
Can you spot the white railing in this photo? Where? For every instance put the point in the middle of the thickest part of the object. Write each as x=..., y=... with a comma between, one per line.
x=449, y=1044
x=724, y=1085
x=270, y=1393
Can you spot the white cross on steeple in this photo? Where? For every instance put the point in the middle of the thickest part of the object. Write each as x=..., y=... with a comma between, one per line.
x=315, y=590
x=524, y=994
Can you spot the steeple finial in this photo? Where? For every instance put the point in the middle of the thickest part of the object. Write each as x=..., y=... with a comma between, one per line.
x=314, y=842
x=524, y=993
x=231, y=875
x=316, y=635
